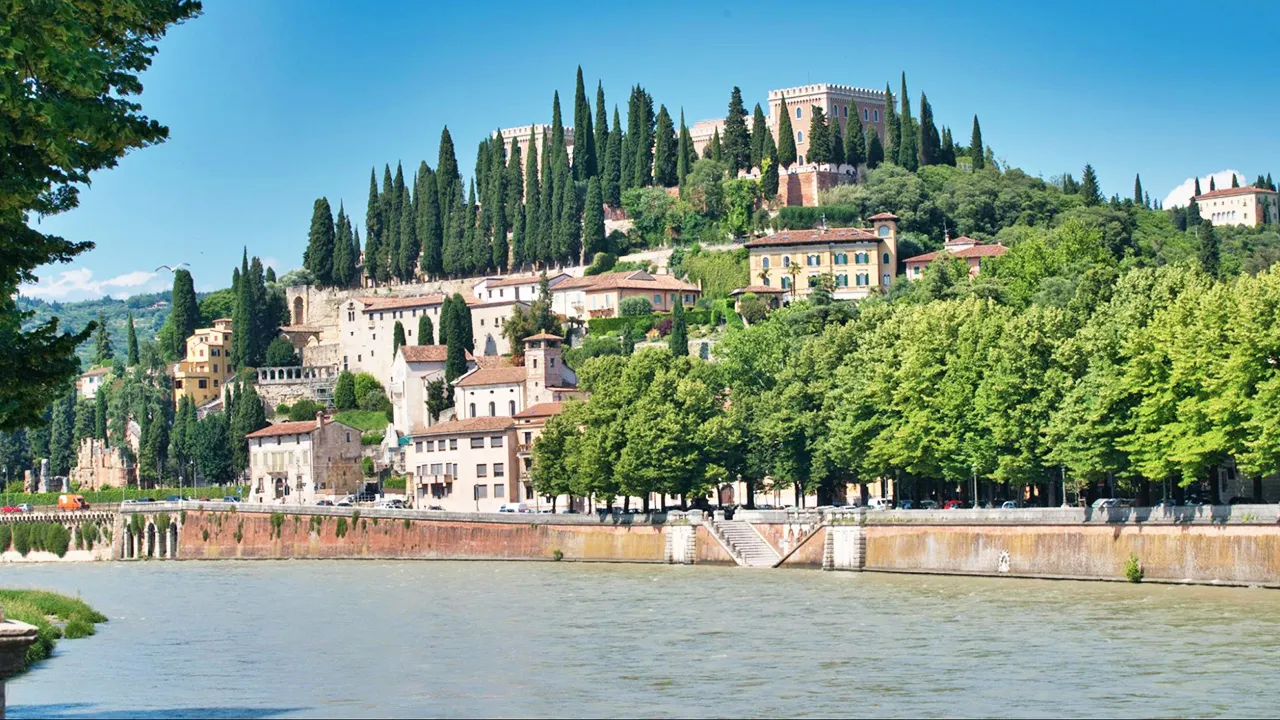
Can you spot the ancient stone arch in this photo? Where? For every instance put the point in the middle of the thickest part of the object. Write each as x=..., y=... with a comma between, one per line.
x=299, y=311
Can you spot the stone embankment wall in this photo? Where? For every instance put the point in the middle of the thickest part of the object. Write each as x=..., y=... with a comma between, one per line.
x=341, y=533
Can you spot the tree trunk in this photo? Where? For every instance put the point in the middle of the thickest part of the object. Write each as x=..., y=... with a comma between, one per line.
x=626, y=503
x=644, y=503
x=1257, y=489
x=751, y=494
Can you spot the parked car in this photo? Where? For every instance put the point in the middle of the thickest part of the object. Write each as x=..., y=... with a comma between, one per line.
x=880, y=504
x=10, y=509
x=1009, y=505
x=434, y=507
x=953, y=505
x=25, y=507
x=231, y=498
x=173, y=498
x=1166, y=503
x=389, y=504
x=1112, y=503
x=70, y=501
x=928, y=505
x=907, y=505
x=145, y=500
x=516, y=507
x=324, y=503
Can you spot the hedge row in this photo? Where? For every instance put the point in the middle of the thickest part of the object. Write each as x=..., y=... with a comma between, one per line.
x=793, y=217
x=25, y=537
x=114, y=496
x=643, y=323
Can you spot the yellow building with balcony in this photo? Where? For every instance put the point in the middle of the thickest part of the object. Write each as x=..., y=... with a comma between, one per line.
x=859, y=260
x=207, y=367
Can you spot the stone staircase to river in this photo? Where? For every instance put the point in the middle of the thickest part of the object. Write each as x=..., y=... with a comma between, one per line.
x=745, y=544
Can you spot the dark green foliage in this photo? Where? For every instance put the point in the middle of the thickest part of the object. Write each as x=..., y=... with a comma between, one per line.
x=305, y=409
x=930, y=141
x=344, y=264
x=613, y=164
x=62, y=451
x=1089, y=189
x=428, y=222
x=1210, y=249
x=593, y=241
x=819, y=137
x=280, y=353
x=1235, y=182
x=1137, y=191
x=665, y=156
x=759, y=129
x=736, y=143
x=642, y=141
x=212, y=448
x=584, y=156
x=713, y=150
x=837, y=141
x=397, y=338
x=426, y=331
x=855, y=140
x=318, y=257
x=635, y=307
x=373, y=228
x=601, y=262
x=438, y=397
x=344, y=391
x=132, y=357
x=875, y=151
x=678, y=340
x=102, y=339
x=892, y=126
x=976, y=154
x=70, y=110
x=601, y=129
x=786, y=137
x=770, y=165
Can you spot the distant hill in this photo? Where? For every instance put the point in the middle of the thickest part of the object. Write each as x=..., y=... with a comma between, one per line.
x=149, y=313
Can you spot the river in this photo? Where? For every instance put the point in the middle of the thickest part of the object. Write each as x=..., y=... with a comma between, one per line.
x=377, y=639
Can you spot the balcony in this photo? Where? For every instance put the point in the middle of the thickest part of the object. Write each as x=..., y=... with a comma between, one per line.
x=442, y=479
x=524, y=449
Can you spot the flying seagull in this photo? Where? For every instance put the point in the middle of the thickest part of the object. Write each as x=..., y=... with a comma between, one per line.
x=170, y=269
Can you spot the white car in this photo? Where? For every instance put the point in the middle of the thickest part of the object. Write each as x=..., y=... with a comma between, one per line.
x=1009, y=505
x=389, y=504
x=518, y=507
x=880, y=504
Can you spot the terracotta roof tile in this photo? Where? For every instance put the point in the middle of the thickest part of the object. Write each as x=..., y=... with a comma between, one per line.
x=543, y=336
x=1228, y=192
x=374, y=304
x=633, y=280
x=883, y=216
x=815, y=237
x=493, y=376
x=527, y=280
x=978, y=251
x=470, y=425
x=540, y=410
x=757, y=289
x=427, y=353
x=96, y=371
x=285, y=428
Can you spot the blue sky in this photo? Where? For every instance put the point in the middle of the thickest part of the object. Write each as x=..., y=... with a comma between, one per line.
x=272, y=104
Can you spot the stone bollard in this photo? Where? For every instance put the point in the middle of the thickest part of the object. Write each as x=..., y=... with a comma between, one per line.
x=15, y=638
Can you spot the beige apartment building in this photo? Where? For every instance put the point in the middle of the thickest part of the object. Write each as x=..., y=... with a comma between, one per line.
x=837, y=101
x=601, y=295
x=1251, y=206
x=414, y=369
x=296, y=463
x=860, y=260
x=519, y=289
x=703, y=131
x=525, y=134
x=88, y=384
x=207, y=367
x=964, y=248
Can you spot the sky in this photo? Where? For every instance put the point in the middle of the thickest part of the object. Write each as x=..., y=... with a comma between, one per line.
x=271, y=105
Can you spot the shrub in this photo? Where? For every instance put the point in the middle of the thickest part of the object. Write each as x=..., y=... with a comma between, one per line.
x=22, y=538
x=601, y=263
x=341, y=529
x=371, y=438
x=396, y=482
x=635, y=307
x=282, y=409
x=663, y=327
x=752, y=308
x=1133, y=571
x=355, y=517
x=366, y=466
x=557, y=555
x=344, y=392
x=304, y=409
x=375, y=401
x=57, y=539
x=277, y=521
x=317, y=524
x=6, y=537
x=794, y=217
x=366, y=383
x=78, y=628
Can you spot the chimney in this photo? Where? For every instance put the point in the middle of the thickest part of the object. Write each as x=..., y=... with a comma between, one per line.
x=319, y=419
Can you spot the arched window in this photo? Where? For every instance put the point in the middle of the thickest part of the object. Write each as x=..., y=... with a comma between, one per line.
x=512, y=407
x=493, y=409
x=865, y=115
x=877, y=116
x=883, y=231
x=764, y=262
x=799, y=136
x=798, y=112
x=786, y=283
x=786, y=261
x=473, y=409
x=842, y=280
x=886, y=258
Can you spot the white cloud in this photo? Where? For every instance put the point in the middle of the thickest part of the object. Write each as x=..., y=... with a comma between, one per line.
x=78, y=284
x=1181, y=195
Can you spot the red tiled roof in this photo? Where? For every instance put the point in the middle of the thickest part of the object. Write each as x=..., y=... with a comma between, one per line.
x=757, y=289
x=96, y=371
x=475, y=302
x=1228, y=192
x=978, y=251
x=883, y=216
x=815, y=237
x=285, y=428
x=528, y=280
x=543, y=336
x=373, y=304
x=427, y=353
x=633, y=280
x=541, y=410
x=493, y=376
x=470, y=425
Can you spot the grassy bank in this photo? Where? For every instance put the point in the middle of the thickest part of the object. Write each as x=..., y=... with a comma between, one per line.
x=57, y=616
x=115, y=496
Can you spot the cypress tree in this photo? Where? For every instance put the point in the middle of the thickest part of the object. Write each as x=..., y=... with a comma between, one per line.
x=62, y=436
x=678, y=340
x=1235, y=182
x=584, y=161
x=462, y=317
x=271, y=272
x=240, y=308
x=1198, y=193
x=102, y=339
x=875, y=151
x=908, y=147
x=318, y=257
x=513, y=184
x=930, y=140
x=426, y=332
x=714, y=151
x=629, y=140
x=386, y=242
x=892, y=128
x=1270, y=185
x=759, y=128
x=1089, y=189
x=837, y=141
x=975, y=146
x=948, y=148
x=643, y=146
x=664, y=151
x=1212, y=185
x=613, y=164
x=1137, y=190
x=819, y=137
x=601, y=128
x=448, y=182
x=593, y=220
x=430, y=224
x=547, y=210
x=409, y=245
x=372, y=228
x=343, y=263
x=397, y=338
x=684, y=148
x=100, y=414
x=528, y=248
x=1209, y=249
x=569, y=229
x=855, y=141
x=132, y=357
x=786, y=136
x=477, y=252
x=396, y=234
x=499, y=251
x=769, y=168
x=736, y=143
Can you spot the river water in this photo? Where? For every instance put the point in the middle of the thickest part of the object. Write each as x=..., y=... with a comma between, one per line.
x=378, y=639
